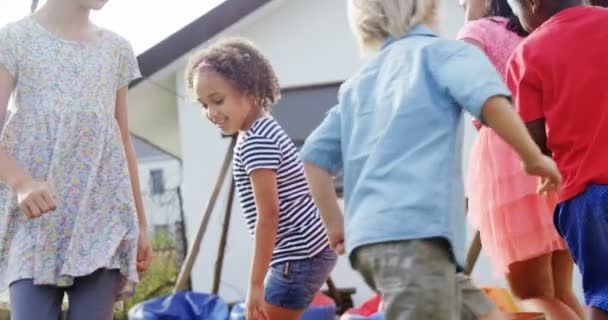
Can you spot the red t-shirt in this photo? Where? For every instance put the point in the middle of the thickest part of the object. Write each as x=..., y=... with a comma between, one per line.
x=560, y=74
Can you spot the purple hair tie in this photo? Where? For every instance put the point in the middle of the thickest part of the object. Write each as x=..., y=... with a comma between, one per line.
x=205, y=65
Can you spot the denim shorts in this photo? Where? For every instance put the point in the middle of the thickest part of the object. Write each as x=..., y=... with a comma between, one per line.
x=293, y=284
x=583, y=222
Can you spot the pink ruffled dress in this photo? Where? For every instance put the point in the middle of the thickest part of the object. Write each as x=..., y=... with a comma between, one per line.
x=515, y=223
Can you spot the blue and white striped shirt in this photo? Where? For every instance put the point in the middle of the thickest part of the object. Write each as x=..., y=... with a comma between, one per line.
x=265, y=145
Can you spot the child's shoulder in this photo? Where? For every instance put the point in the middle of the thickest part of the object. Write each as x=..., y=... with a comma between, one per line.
x=433, y=50
x=430, y=55
x=16, y=30
x=265, y=133
x=443, y=50
x=115, y=38
x=265, y=129
x=484, y=29
x=486, y=23
x=533, y=47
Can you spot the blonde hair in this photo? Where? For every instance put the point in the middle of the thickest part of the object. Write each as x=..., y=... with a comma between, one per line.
x=372, y=21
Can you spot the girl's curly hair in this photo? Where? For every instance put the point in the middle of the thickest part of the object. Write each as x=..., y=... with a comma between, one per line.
x=241, y=62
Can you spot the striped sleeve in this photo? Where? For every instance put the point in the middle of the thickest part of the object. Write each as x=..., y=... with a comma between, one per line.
x=258, y=152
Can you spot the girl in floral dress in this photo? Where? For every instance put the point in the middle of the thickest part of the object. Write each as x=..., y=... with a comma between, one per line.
x=71, y=215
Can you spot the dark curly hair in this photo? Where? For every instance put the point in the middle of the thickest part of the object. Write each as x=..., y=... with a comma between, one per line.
x=241, y=62
x=599, y=3
x=501, y=8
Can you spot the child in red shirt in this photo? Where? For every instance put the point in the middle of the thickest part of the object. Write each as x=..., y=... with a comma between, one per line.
x=559, y=86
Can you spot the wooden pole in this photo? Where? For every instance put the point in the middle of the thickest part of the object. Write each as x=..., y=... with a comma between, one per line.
x=473, y=254
x=333, y=292
x=224, y=236
x=474, y=249
x=186, y=270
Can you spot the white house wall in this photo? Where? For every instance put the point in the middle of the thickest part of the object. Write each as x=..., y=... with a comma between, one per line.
x=158, y=213
x=153, y=113
x=308, y=41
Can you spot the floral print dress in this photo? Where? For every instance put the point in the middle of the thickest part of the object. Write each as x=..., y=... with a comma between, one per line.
x=62, y=129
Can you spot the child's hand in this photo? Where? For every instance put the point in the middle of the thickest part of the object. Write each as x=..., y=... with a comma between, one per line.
x=144, y=252
x=35, y=198
x=545, y=168
x=254, y=305
x=335, y=233
x=336, y=240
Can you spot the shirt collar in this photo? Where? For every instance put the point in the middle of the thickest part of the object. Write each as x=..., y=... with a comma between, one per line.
x=417, y=30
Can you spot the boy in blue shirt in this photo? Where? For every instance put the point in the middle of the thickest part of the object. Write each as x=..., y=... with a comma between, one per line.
x=395, y=134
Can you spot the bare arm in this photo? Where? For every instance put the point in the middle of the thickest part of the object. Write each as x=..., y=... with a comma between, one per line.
x=499, y=115
x=323, y=190
x=123, y=123
x=264, y=183
x=144, y=250
x=322, y=156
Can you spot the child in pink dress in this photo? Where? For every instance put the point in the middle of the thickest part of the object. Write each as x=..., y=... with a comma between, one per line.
x=515, y=223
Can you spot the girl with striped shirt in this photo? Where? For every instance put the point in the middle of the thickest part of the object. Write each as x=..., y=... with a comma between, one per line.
x=236, y=87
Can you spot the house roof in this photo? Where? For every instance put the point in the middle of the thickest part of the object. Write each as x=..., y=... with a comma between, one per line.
x=147, y=151
x=193, y=35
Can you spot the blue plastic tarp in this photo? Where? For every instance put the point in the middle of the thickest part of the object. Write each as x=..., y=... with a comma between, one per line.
x=184, y=305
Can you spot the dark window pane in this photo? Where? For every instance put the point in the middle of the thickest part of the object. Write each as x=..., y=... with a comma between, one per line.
x=157, y=181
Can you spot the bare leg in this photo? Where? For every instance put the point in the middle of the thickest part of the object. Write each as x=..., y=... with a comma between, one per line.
x=531, y=281
x=598, y=314
x=278, y=313
x=562, y=281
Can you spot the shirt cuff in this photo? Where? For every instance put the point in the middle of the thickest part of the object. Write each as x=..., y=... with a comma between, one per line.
x=320, y=160
x=484, y=94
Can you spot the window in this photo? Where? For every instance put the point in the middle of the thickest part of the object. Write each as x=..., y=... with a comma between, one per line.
x=300, y=110
x=157, y=181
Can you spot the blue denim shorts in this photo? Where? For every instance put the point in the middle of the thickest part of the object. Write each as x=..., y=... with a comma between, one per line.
x=293, y=284
x=583, y=222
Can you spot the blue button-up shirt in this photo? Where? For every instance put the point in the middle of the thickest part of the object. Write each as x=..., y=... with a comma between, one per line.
x=395, y=132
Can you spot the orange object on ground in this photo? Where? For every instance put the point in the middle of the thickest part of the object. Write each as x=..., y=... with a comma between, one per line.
x=501, y=298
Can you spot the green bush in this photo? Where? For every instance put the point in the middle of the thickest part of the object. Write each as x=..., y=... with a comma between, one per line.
x=159, y=279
